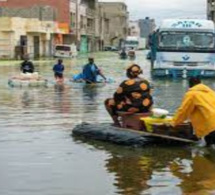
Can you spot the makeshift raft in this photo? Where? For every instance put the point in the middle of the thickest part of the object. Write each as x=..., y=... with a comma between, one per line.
x=78, y=78
x=27, y=83
x=125, y=136
x=27, y=80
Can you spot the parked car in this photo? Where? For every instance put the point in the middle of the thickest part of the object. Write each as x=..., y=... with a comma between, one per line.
x=107, y=48
x=114, y=48
x=110, y=48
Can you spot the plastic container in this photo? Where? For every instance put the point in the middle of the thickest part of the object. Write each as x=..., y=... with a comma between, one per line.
x=149, y=121
x=159, y=113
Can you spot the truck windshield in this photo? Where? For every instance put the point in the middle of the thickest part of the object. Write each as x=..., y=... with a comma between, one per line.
x=186, y=40
x=128, y=42
x=62, y=48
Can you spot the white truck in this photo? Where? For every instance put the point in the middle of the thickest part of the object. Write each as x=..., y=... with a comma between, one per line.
x=137, y=43
x=142, y=43
x=131, y=42
x=185, y=47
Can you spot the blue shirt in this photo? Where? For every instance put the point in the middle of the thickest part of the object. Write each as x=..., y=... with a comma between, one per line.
x=90, y=72
x=58, y=68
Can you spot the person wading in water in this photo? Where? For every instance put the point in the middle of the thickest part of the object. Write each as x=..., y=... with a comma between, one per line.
x=27, y=66
x=91, y=71
x=58, y=71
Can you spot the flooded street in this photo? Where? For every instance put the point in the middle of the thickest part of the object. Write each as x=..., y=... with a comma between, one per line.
x=40, y=157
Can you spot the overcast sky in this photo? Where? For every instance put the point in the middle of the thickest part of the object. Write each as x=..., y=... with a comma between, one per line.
x=160, y=9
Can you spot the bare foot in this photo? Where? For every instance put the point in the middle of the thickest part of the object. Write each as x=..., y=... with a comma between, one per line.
x=116, y=125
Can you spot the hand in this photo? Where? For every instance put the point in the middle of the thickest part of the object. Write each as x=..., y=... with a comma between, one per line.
x=128, y=101
x=169, y=125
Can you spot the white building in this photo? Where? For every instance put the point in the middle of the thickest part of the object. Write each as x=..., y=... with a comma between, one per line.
x=20, y=36
x=134, y=29
x=211, y=9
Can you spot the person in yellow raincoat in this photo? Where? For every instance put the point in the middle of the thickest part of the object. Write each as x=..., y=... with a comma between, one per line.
x=198, y=106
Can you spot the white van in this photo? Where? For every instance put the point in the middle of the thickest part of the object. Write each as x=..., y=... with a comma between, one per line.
x=67, y=51
x=131, y=42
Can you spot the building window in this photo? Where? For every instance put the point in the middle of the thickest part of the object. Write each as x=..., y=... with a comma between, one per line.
x=82, y=22
x=90, y=23
x=73, y=20
x=107, y=26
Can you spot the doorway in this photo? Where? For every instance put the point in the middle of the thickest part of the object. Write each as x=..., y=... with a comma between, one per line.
x=36, y=47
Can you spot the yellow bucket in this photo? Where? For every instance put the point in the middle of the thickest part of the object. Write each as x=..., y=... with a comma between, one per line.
x=149, y=121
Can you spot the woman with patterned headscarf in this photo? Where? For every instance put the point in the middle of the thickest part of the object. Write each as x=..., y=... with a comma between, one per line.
x=133, y=95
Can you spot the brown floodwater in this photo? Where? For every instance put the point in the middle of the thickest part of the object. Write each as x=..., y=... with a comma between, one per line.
x=38, y=155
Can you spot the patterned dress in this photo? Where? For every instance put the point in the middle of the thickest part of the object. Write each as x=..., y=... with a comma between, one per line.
x=133, y=95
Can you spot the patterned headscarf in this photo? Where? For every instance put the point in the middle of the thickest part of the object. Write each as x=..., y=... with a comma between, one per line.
x=134, y=71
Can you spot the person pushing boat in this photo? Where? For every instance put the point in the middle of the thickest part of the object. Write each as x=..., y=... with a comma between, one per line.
x=91, y=71
x=27, y=66
x=198, y=106
x=132, y=96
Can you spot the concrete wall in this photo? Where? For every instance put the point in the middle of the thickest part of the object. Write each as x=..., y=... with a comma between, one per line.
x=6, y=45
x=134, y=29
x=40, y=12
x=13, y=28
x=61, y=6
x=147, y=26
x=117, y=15
x=211, y=10
x=86, y=19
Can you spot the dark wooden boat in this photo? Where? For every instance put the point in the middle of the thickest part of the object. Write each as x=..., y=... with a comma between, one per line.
x=134, y=132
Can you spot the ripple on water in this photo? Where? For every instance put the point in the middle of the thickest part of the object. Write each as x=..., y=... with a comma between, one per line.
x=38, y=155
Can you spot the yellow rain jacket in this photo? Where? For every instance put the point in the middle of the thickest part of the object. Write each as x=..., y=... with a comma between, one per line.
x=198, y=106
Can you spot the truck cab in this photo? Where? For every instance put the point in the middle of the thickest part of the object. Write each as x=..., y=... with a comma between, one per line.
x=185, y=47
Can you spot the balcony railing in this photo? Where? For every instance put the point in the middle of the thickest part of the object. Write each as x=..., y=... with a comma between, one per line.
x=90, y=12
x=34, y=26
x=6, y=24
x=90, y=31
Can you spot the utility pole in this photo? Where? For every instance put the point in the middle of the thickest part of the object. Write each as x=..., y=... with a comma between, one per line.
x=77, y=20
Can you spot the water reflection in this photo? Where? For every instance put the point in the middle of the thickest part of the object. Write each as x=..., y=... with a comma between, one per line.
x=62, y=100
x=159, y=170
x=198, y=175
x=134, y=171
x=91, y=92
x=90, y=98
x=26, y=100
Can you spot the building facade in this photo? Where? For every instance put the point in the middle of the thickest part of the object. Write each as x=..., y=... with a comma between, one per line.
x=211, y=9
x=61, y=7
x=147, y=26
x=46, y=23
x=21, y=36
x=115, y=23
x=43, y=24
x=85, y=22
x=134, y=29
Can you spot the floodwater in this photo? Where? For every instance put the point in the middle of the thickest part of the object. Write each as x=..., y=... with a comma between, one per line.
x=38, y=155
